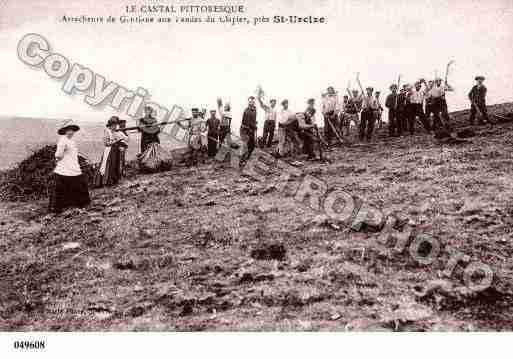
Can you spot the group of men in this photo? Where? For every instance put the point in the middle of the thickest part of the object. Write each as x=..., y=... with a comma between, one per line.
x=297, y=132
x=428, y=98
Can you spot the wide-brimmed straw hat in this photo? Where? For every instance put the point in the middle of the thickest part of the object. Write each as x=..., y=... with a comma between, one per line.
x=67, y=125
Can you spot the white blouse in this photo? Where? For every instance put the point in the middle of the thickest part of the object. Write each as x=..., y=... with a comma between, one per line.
x=68, y=165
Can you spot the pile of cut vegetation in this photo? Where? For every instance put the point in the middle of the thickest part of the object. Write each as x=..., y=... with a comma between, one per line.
x=33, y=177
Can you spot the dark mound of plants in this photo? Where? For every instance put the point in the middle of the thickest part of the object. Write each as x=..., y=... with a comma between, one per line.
x=33, y=177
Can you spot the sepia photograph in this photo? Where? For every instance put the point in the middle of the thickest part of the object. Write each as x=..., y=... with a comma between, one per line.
x=286, y=172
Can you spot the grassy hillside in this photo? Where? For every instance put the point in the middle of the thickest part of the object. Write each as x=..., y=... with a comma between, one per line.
x=187, y=249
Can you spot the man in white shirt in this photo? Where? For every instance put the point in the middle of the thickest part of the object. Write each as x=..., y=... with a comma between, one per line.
x=271, y=114
x=380, y=110
x=437, y=103
x=225, y=123
x=196, y=128
x=416, y=97
x=446, y=88
x=285, y=118
x=330, y=109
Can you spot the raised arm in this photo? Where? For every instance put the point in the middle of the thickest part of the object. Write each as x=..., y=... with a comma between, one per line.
x=348, y=88
x=220, y=106
x=262, y=104
x=359, y=83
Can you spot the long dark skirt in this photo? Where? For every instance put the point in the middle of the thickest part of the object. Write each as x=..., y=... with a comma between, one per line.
x=68, y=191
x=147, y=139
x=112, y=170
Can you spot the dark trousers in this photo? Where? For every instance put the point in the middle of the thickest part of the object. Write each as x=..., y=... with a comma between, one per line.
x=212, y=139
x=249, y=139
x=344, y=124
x=393, y=122
x=223, y=132
x=402, y=121
x=445, y=110
x=473, y=113
x=330, y=122
x=435, y=108
x=269, y=126
x=308, y=143
x=414, y=110
x=428, y=111
x=367, y=122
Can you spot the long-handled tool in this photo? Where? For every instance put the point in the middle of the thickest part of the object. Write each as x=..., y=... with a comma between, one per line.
x=164, y=123
x=447, y=71
x=335, y=131
x=397, y=96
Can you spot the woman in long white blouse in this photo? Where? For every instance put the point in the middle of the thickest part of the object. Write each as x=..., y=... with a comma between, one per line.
x=70, y=184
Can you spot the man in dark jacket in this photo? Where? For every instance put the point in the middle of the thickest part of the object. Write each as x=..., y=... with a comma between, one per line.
x=477, y=96
x=306, y=126
x=212, y=133
x=248, y=128
x=402, y=110
x=391, y=103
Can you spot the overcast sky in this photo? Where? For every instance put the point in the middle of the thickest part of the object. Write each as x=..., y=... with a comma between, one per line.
x=192, y=64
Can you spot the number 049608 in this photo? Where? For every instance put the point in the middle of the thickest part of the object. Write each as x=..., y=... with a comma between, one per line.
x=29, y=345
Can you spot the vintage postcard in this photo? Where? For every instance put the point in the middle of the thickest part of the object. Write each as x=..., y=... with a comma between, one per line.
x=254, y=166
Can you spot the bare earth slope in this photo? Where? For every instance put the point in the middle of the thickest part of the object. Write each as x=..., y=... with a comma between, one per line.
x=173, y=251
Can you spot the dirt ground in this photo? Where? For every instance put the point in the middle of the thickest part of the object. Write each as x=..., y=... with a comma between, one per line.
x=206, y=248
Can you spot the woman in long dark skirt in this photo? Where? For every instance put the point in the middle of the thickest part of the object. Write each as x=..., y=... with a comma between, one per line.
x=109, y=172
x=69, y=183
